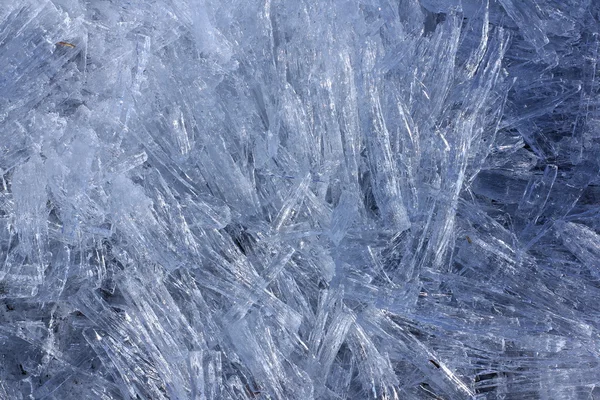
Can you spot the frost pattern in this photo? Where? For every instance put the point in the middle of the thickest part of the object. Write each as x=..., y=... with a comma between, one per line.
x=287, y=199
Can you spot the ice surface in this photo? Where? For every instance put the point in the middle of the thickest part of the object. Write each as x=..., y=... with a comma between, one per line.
x=283, y=199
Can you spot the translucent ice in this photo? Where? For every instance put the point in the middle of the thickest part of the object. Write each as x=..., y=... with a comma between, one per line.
x=279, y=199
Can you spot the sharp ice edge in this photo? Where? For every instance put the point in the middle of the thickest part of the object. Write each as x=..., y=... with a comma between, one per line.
x=299, y=200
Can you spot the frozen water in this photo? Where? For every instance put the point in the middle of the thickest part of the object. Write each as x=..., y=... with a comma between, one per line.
x=284, y=199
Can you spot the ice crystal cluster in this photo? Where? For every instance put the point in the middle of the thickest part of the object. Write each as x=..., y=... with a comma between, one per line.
x=299, y=199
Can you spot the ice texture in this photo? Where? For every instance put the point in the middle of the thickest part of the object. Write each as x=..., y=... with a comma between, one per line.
x=289, y=199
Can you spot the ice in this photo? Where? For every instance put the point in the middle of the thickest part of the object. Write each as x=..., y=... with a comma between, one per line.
x=299, y=200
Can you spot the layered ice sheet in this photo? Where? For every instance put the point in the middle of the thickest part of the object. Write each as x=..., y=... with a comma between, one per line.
x=284, y=199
